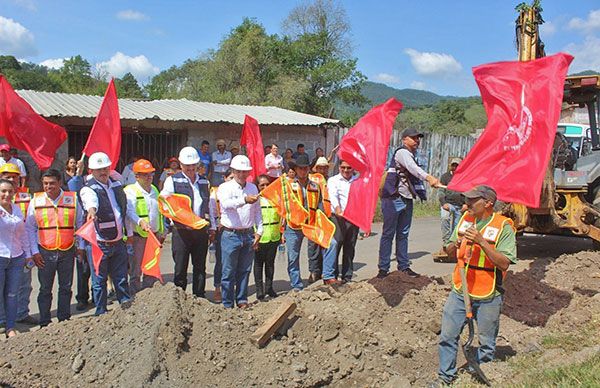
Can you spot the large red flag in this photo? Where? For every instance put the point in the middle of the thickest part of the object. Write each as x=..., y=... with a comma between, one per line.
x=26, y=130
x=105, y=135
x=88, y=233
x=522, y=101
x=252, y=139
x=365, y=148
x=151, y=259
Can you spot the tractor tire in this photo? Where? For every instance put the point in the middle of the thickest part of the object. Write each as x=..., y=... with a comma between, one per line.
x=596, y=204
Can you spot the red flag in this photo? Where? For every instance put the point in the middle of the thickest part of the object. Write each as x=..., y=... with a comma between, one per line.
x=105, y=135
x=365, y=148
x=26, y=130
x=88, y=233
x=522, y=101
x=252, y=139
x=151, y=259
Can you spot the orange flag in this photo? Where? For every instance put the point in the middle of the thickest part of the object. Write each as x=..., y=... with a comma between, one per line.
x=88, y=233
x=321, y=232
x=280, y=194
x=151, y=259
x=178, y=207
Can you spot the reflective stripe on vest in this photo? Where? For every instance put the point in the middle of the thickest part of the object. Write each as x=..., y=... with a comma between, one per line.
x=483, y=277
x=141, y=209
x=56, y=224
x=22, y=199
x=271, y=222
x=322, y=182
x=312, y=199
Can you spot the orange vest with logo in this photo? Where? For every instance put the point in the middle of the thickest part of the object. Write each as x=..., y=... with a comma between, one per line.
x=322, y=182
x=56, y=224
x=22, y=199
x=312, y=199
x=483, y=277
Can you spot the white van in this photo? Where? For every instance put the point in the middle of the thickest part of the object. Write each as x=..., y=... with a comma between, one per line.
x=578, y=136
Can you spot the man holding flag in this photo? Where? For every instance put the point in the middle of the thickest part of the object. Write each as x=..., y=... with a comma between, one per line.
x=105, y=202
x=188, y=241
x=143, y=197
x=403, y=184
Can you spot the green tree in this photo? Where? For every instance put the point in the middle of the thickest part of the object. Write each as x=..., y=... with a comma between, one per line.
x=128, y=87
x=8, y=62
x=75, y=76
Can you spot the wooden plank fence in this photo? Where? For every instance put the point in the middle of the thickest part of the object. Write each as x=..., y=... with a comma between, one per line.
x=435, y=151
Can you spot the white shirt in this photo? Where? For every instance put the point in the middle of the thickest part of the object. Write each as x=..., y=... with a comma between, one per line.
x=339, y=189
x=127, y=176
x=151, y=199
x=32, y=226
x=90, y=200
x=274, y=165
x=17, y=162
x=222, y=161
x=169, y=189
x=212, y=210
x=13, y=236
x=235, y=212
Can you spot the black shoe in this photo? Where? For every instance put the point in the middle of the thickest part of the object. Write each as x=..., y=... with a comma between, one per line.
x=313, y=277
x=382, y=274
x=28, y=320
x=81, y=306
x=260, y=291
x=271, y=292
x=410, y=272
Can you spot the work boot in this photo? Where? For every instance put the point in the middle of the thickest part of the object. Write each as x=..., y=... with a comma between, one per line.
x=81, y=306
x=260, y=291
x=28, y=320
x=410, y=272
x=382, y=274
x=271, y=292
x=313, y=277
x=217, y=298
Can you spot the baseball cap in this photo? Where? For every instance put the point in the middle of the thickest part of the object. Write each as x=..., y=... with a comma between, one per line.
x=4, y=147
x=322, y=161
x=482, y=191
x=411, y=132
x=143, y=166
x=221, y=142
x=455, y=161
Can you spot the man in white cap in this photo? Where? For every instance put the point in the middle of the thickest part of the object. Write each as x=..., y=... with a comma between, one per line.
x=105, y=202
x=221, y=159
x=241, y=219
x=7, y=157
x=187, y=241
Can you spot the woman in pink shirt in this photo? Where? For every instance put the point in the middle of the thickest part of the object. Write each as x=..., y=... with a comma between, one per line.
x=274, y=163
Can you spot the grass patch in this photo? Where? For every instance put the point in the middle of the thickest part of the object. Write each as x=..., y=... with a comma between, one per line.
x=420, y=210
x=586, y=336
x=585, y=374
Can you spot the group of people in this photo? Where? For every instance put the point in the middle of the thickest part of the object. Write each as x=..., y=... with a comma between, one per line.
x=243, y=228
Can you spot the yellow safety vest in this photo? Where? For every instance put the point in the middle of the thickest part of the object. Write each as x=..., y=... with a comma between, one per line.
x=141, y=209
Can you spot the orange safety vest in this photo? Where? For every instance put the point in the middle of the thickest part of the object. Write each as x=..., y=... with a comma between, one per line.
x=322, y=182
x=56, y=224
x=483, y=277
x=22, y=199
x=312, y=197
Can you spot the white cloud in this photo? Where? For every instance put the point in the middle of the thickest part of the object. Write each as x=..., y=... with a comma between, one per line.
x=15, y=39
x=591, y=23
x=587, y=55
x=130, y=14
x=53, y=63
x=433, y=64
x=387, y=78
x=119, y=64
x=548, y=29
x=418, y=85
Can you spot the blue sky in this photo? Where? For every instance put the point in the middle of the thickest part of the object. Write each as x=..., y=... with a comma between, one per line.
x=429, y=45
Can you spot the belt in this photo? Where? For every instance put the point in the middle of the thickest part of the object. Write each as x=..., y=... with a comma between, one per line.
x=109, y=243
x=240, y=231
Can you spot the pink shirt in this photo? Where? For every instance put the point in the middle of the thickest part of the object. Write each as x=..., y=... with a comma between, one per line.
x=274, y=165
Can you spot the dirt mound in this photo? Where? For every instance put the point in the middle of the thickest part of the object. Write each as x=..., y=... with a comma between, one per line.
x=377, y=333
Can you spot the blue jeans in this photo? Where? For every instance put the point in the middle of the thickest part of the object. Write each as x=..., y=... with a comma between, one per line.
x=293, y=243
x=114, y=263
x=397, y=218
x=218, y=271
x=237, y=256
x=11, y=270
x=330, y=260
x=449, y=220
x=485, y=312
x=61, y=262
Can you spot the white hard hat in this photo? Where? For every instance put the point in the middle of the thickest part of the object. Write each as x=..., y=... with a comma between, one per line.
x=99, y=160
x=240, y=163
x=189, y=155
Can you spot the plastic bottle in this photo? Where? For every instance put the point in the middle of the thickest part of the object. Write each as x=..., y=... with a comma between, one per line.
x=212, y=253
x=29, y=264
x=281, y=251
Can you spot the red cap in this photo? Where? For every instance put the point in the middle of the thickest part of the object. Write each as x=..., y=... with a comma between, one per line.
x=4, y=147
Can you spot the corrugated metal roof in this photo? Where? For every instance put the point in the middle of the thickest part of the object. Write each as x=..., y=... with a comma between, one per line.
x=50, y=104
